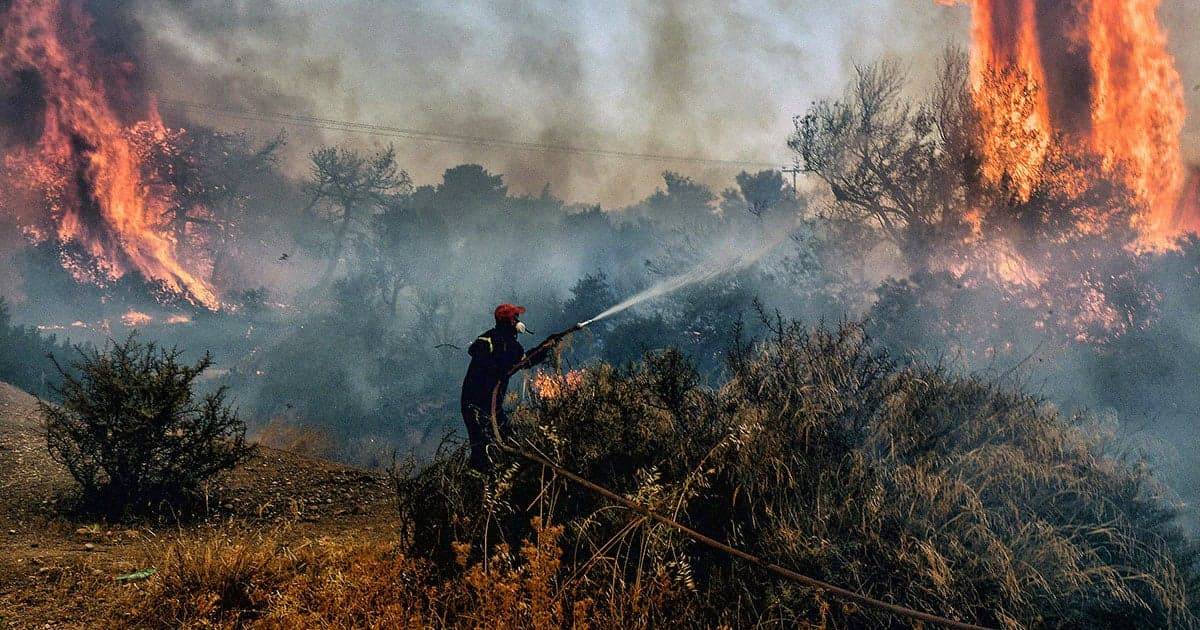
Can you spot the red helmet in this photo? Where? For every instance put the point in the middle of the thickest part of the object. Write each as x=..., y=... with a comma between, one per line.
x=508, y=312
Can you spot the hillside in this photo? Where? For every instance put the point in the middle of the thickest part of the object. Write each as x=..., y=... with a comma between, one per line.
x=30, y=476
x=56, y=571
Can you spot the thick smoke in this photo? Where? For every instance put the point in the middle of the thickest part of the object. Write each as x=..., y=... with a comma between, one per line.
x=688, y=79
x=1180, y=18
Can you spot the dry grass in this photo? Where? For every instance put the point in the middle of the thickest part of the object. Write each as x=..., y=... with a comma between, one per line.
x=236, y=578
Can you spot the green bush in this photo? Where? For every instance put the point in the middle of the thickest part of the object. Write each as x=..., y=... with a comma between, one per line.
x=911, y=485
x=132, y=432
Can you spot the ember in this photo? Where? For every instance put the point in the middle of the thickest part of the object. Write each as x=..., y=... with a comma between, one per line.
x=547, y=386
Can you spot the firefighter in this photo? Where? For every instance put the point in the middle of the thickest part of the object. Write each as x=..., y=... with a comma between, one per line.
x=493, y=355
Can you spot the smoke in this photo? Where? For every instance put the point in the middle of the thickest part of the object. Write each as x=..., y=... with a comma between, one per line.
x=689, y=79
x=1179, y=17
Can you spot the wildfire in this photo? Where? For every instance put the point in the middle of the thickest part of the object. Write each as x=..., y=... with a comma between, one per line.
x=547, y=385
x=86, y=161
x=1097, y=72
x=136, y=318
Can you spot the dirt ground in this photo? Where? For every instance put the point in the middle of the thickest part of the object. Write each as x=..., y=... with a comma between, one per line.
x=57, y=571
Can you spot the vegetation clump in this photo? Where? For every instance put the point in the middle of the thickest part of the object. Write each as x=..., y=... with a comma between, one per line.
x=907, y=484
x=134, y=434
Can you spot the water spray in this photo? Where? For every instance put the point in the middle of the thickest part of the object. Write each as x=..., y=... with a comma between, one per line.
x=648, y=512
x=667, y=286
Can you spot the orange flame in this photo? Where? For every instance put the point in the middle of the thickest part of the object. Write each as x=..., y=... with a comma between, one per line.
x=547, y=385
x=1101, y=75
x=85, y=160
x=136, y=318
x=1006, y=70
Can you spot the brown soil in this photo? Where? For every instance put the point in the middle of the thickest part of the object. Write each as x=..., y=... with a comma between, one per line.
x=56, y=570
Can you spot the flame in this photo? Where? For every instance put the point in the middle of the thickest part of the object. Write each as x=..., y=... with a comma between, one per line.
x=1097, y=72
x=87, y=161
x=547, y=385
x=1139, y=112
x=1006, y=72
x=136, y=318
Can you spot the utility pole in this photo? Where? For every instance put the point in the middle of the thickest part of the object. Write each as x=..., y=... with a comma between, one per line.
x=793, y=170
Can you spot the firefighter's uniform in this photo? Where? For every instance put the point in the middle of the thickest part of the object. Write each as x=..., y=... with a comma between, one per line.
x=493, y=354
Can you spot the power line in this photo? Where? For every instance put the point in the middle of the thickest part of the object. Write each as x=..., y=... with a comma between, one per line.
x=388, y=131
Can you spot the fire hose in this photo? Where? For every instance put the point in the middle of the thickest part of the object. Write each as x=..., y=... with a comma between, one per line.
x=649, y=512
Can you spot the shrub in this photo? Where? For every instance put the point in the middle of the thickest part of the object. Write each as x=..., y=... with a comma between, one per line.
x=908, y=484
x=132, y=432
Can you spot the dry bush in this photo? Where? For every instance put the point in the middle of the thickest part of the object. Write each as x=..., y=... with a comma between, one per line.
x=914, y=486
x=948, y=494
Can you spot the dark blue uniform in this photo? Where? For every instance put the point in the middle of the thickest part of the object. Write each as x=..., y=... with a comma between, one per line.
x=493, y=354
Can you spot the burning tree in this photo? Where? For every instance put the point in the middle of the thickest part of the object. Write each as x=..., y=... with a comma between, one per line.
x=1058, y=238
x=1097, y=72
x=84, y=167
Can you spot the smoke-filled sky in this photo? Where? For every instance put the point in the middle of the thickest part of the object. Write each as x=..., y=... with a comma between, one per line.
x=709, y=79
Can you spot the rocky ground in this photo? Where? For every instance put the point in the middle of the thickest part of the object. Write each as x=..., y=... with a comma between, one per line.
x=53, y=565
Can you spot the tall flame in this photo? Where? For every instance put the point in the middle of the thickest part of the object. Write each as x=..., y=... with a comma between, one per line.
x=85, y=159
x=1103, y=77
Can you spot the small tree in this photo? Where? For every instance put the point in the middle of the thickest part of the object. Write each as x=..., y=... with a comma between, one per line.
x=352, y=188
x=133, y=434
